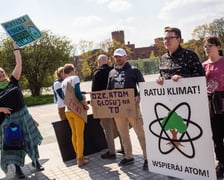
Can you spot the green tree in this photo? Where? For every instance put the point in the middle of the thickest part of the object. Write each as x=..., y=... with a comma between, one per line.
x=201, y=31
x=174, y=123
x=160, y=49
x=40, y=60
x=197, y=47
x=86, y=70
x=215, y=28
x=88, y=56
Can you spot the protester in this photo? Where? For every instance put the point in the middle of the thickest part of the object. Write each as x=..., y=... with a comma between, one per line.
x=178, y=62
x=58, y=93
x=13, y=109
x=124, y=76
x=76, y=123
x=99, y=82
x=214, y=70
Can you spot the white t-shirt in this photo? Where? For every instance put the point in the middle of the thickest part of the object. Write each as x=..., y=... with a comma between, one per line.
x=60, y=101
x=73, y=80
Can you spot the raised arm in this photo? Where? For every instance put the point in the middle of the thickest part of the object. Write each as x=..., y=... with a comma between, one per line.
x=18, y=67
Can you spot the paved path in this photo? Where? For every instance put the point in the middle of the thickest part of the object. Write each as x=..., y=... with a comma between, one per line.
x=97, y=168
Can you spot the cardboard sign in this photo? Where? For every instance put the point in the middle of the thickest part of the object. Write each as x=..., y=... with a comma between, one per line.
x=113, y=103
x=22, y=30
x=177, y=128
x=73, y=103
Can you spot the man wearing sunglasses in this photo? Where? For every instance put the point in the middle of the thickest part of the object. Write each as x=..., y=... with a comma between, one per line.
x=177, y=62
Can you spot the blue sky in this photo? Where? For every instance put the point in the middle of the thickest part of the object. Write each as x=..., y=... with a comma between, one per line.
x=94, y=20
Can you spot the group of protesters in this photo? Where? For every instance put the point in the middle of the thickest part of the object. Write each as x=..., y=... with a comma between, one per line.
x=176, y=63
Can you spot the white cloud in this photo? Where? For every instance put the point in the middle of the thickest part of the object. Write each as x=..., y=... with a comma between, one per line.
x=191, y=9
x=101, y=1
x=128, y=20
x=86, y=21
x=187, y=14
x=119, y=5
x=90, y=28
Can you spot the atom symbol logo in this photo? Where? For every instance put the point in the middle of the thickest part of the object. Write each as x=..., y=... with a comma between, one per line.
x=174, y=130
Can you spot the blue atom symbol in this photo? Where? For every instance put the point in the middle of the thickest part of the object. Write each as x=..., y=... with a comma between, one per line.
x=183, y=138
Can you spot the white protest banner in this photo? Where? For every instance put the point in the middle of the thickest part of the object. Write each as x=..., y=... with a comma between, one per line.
x=113, y=103
x=177, y=128
x=72, y=103
x=22, y=30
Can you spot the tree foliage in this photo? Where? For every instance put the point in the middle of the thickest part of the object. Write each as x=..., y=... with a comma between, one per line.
x=40, y=60
x=160, y=49
x=174, y=122
x=86, y=62
x=215, y=28
x=196, y=46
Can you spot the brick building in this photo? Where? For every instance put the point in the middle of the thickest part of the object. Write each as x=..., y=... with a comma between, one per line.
x=136, y=53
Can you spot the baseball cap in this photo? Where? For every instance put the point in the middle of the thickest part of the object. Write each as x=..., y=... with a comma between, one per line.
x=120, y=52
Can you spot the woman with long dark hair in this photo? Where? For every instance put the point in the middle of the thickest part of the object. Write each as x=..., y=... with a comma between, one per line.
x=214, y=70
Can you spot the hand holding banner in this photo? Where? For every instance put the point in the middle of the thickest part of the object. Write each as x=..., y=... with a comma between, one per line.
x=22, y=30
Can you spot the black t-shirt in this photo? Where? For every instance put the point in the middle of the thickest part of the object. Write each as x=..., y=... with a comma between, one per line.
x=125, y=77
x=11, y=96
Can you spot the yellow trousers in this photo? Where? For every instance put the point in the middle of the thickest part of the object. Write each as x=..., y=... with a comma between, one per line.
x=77, y=125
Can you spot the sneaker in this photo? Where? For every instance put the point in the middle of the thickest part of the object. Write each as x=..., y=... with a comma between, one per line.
x=120, y=151
x=219, y=169
x=107, y=155
x=125, y=161
x=145, y=165
x=38, y=166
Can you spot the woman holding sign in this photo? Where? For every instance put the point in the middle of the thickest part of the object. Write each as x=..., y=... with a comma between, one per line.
x=214, y=69
x=76, y=123
x=13, y=109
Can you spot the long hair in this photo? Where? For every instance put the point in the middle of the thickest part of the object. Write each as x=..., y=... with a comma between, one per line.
x=58, y=73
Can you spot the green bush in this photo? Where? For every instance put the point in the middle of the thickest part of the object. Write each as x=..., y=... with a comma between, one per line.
x=39, y=100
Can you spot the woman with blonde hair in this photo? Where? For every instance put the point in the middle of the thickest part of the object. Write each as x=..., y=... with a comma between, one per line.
x=58, y=93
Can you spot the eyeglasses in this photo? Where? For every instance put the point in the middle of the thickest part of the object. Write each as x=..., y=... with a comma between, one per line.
x=169, y=38
x=208, y=46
